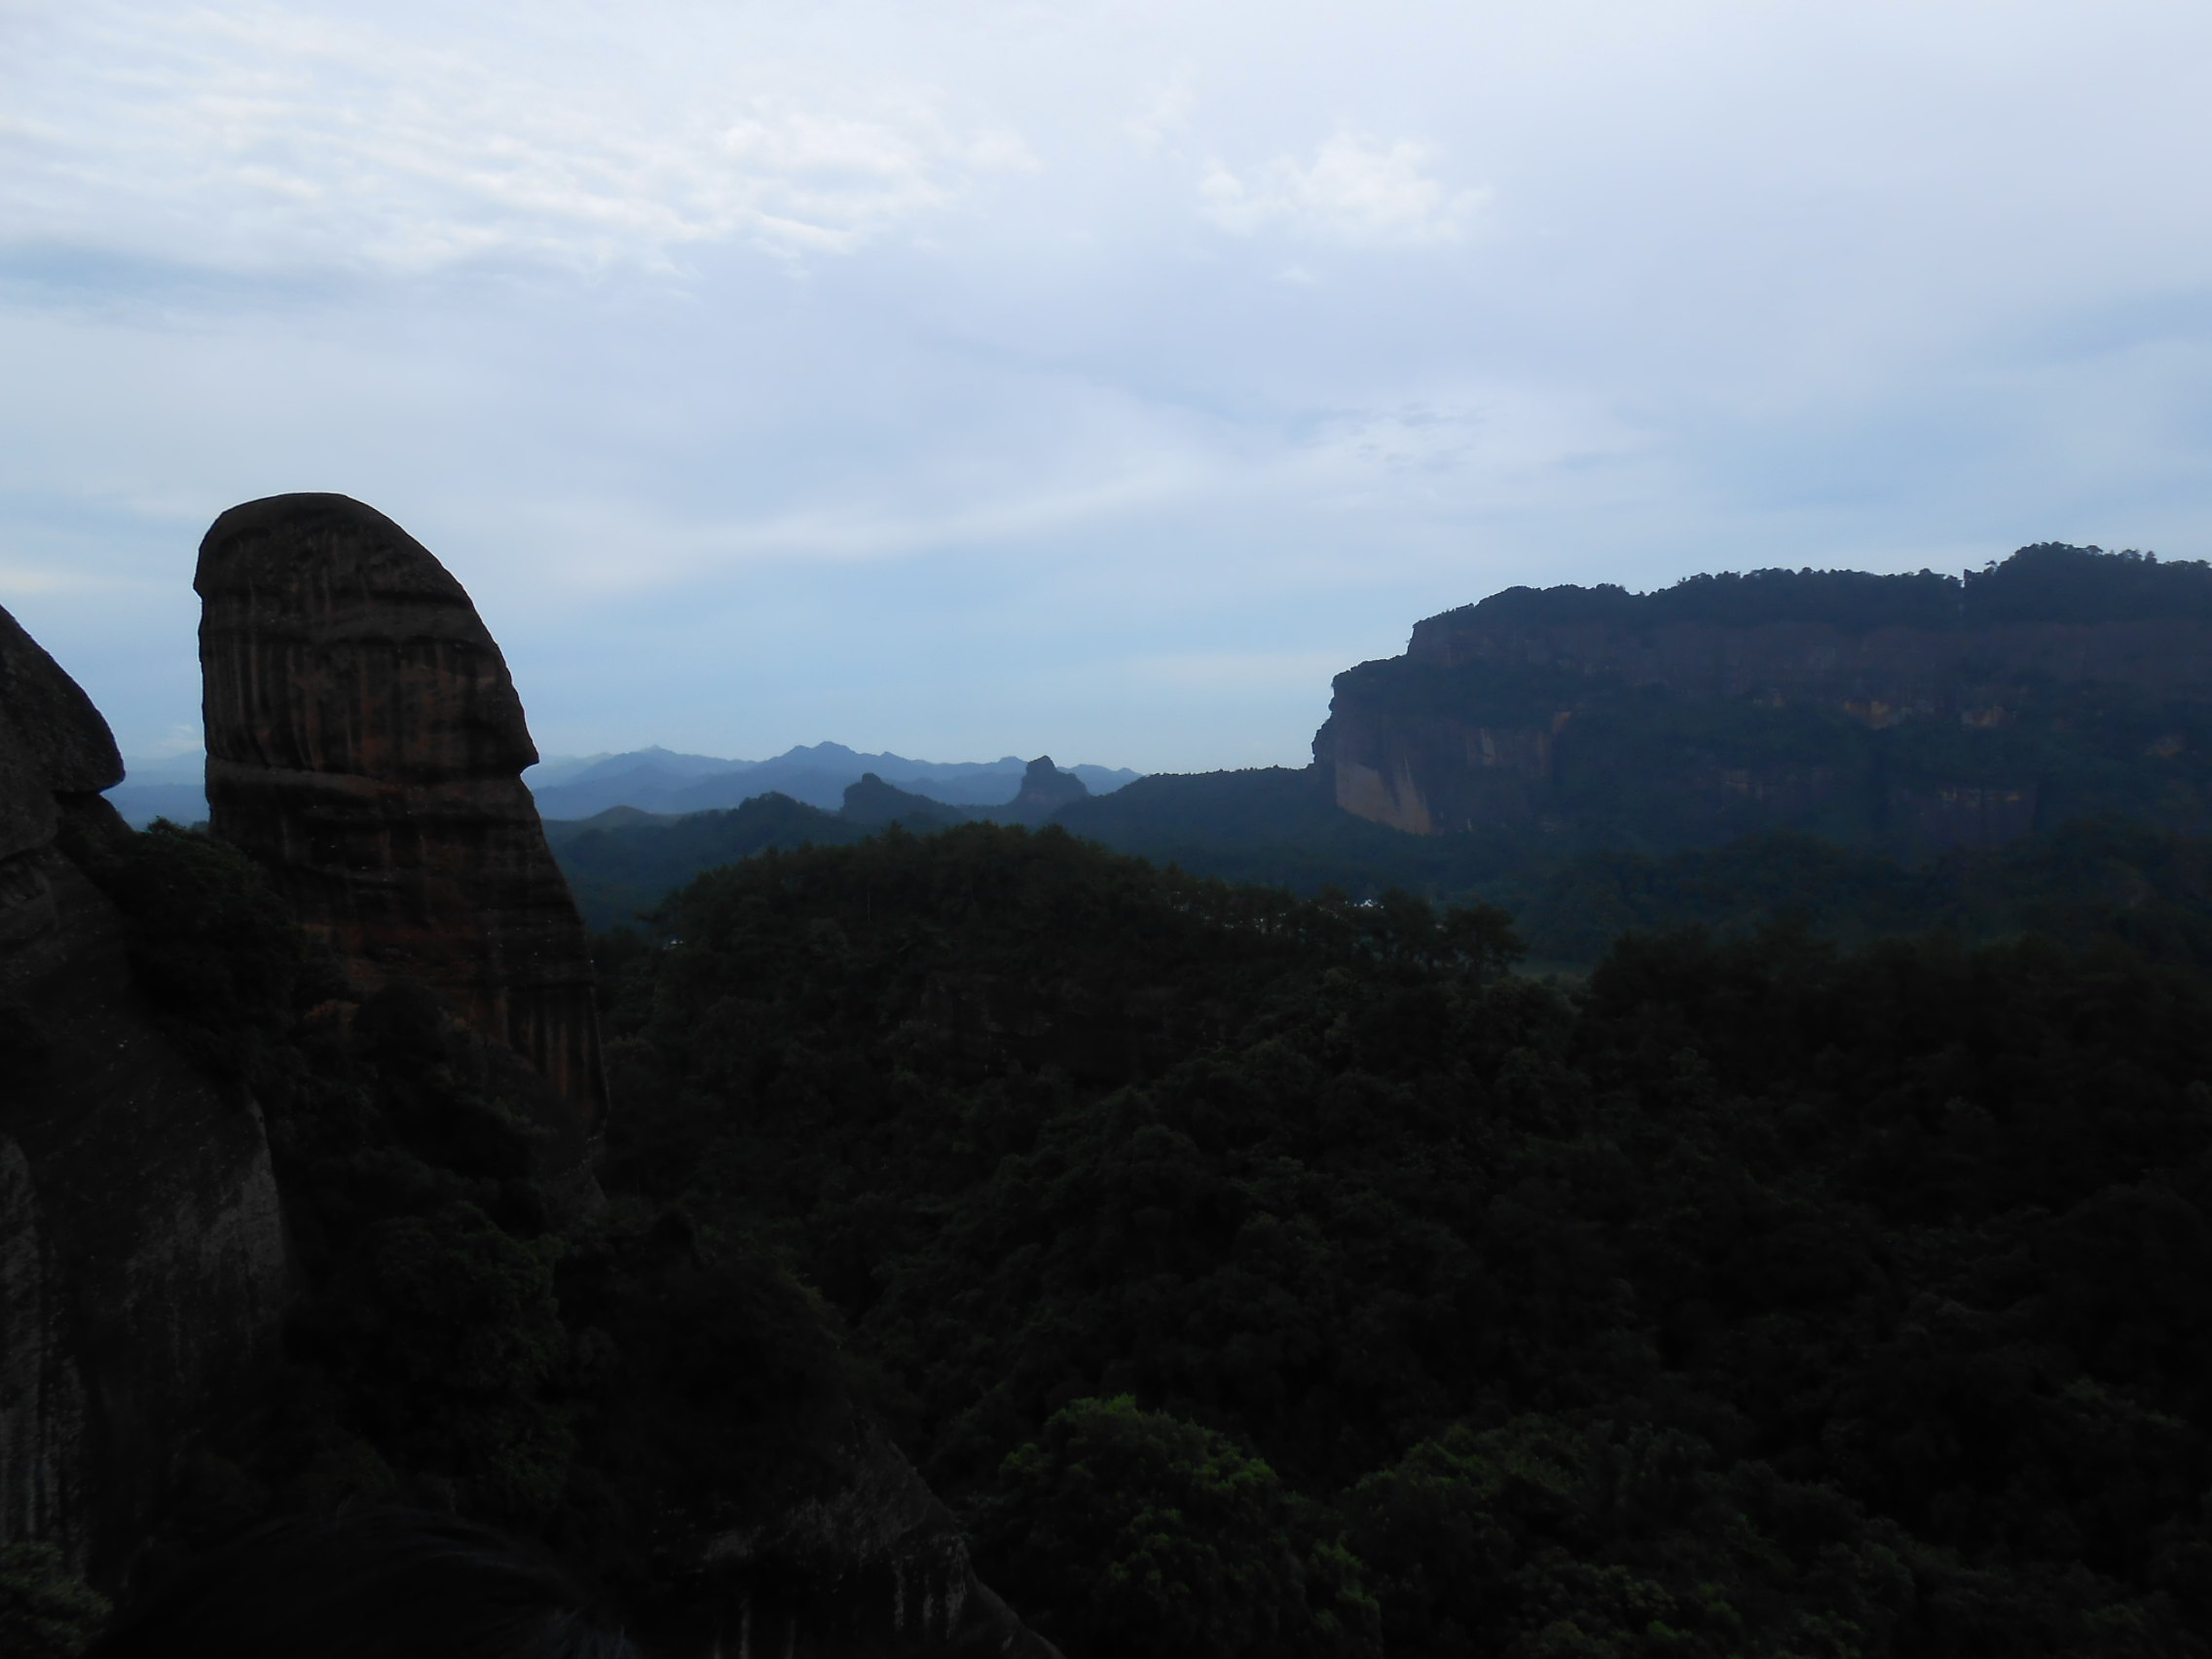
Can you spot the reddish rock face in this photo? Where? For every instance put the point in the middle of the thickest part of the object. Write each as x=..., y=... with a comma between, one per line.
x=365, y=742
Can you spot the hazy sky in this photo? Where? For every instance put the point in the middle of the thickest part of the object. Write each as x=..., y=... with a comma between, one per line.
x=964, y=378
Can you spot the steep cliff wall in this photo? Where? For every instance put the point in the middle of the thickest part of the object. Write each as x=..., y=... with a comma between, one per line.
x=143, y=1266
x=366, y=745
x=1916, y=712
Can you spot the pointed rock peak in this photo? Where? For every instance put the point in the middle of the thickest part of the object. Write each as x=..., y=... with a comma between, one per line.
x=1044, y=785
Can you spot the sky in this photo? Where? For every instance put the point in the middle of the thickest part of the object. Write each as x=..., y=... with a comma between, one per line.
x=971, y=377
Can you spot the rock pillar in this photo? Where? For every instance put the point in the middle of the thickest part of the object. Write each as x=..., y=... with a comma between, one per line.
x=366, y=745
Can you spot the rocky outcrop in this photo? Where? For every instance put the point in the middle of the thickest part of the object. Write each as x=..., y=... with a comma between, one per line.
x=1913, y=711
x=365, y=744
x=143, y=1266
x=874, y=1566
x=1046, y=789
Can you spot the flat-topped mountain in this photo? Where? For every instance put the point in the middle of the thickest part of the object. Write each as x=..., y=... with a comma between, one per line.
x=1913, y=711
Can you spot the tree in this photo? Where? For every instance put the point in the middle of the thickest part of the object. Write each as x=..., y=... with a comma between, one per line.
x=1131, y=1531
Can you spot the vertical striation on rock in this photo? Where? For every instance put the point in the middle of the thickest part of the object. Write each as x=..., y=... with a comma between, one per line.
x=366, y=745
x=143, y=1266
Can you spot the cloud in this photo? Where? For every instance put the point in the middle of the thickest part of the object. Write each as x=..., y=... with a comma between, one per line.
x=1357, y=191
x=260, y=137
x=1103, y=354
x=1163, y=115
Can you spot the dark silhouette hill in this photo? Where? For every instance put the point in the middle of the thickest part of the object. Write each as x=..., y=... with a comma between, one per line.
x=873, y=804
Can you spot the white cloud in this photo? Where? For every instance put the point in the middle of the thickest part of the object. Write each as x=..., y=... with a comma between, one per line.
x=1357, y=189
x=1163, y=115
x=255, y=138
x=1752, y=291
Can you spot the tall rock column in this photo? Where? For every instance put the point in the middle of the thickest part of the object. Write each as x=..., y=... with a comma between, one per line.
x=366, y=745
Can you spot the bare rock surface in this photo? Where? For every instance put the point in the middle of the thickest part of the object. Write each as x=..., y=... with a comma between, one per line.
x=365, y=744
x=143, y=1266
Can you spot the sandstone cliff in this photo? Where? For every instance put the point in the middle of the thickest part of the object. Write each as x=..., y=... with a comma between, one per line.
x=143, y=1266
x=1915, y=711
x=366, y=745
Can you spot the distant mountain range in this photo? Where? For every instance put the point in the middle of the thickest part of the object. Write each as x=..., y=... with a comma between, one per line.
x=664, y=783
x=661, y=782
x=622, y=862
x=169, y=785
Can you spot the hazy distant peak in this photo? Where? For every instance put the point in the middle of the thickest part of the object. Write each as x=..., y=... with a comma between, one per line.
x=660, y=780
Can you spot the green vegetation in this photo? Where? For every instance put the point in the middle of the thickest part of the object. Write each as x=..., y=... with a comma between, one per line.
x=619, y=871
x=1263, y=1274
x=43, y=1612
x=1232, y=1256
x=2088, y=881
x=2048, y=582
x=470, y=1337
x=1154, y=1535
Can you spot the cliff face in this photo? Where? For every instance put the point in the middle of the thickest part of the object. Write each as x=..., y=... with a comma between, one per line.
x=366, y=745
x=143, y=1266
x=1917, y=712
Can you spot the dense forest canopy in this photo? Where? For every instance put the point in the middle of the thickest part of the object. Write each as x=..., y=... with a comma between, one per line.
x=1264, y=1275
x=2049, y=582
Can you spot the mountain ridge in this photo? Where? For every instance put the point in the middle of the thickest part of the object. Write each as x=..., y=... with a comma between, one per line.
x=664, y=782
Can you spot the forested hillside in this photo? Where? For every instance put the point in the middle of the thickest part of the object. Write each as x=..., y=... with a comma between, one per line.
x=1268, y=1275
